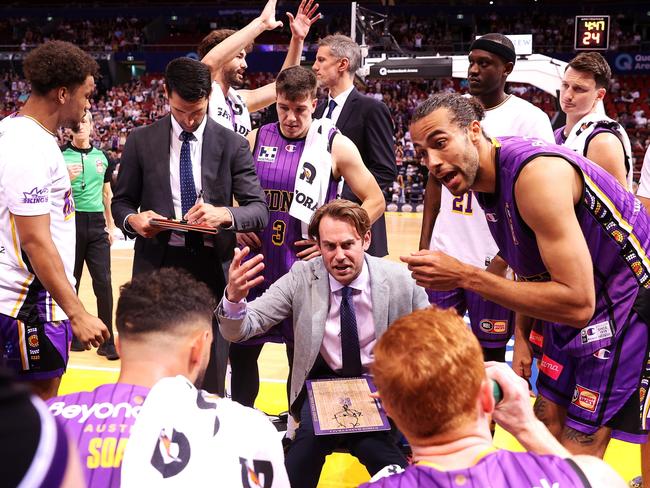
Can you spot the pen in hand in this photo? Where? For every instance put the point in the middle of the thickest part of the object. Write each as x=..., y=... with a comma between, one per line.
x=199, y=198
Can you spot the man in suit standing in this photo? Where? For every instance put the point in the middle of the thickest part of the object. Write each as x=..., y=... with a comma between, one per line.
x=363, y=119
x=186, y=166
x=341, y=303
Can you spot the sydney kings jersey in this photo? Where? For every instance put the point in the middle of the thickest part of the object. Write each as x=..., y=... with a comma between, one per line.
x=276, y=161
x=99, y=423
x=614, y=226
x=503, y=469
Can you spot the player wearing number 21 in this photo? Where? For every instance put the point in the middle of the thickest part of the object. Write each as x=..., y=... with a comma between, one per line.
x=455, y=224
x=299, y=162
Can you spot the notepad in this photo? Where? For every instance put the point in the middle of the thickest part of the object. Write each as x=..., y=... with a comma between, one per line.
x=182, y=226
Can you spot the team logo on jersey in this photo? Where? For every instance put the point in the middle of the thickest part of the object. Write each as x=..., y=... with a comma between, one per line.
x=290, y=148
x=267, y=154
x=256, y=473
x=36, y=195
x=32, y=340
x=491, y=217
x=550, y=367
x=171, y=453
x=494, y=326
x=585, y=398
x=308, y=173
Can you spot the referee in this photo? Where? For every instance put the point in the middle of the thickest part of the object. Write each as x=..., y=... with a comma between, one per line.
x=92, y=195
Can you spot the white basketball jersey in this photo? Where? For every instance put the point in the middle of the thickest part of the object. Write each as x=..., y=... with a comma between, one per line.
x=461, y=229
x=184, y=437
x=33, y=181
x=232, y=112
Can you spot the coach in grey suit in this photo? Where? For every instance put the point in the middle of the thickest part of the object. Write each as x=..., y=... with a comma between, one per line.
x=186, y=166
x=315, y=294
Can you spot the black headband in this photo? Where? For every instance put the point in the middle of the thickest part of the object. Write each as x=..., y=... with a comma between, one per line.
x=504, y=52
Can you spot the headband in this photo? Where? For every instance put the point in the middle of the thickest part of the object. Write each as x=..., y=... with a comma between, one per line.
x=504, y=52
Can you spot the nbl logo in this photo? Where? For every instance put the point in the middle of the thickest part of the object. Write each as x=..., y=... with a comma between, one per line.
x=308, y=173
x=267, y=154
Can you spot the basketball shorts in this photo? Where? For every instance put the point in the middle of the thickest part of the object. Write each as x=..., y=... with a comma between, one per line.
x=606, y=388
x=492, y=324
x=37, y=350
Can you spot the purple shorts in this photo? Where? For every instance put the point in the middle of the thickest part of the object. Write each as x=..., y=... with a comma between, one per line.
x=606, y=388
x=492, y=324
x=35, y=351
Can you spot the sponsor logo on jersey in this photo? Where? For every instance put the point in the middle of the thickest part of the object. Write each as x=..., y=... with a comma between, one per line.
x=256, y=473
x=596, y=332
x=267, y=154
x=99, y=411
x=305, y=201
x=290, y=148
x=585, y=398
x=171, y=453
x=602, y=353
x=36, y=195
x=550, y=367
x=494, y=326
x=308, y=173
x=536, y=338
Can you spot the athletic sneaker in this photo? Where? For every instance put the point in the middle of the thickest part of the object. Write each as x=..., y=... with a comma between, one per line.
x=76, y=345
x=108, y=350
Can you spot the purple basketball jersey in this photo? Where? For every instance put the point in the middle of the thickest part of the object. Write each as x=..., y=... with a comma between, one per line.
x=503, y=469
x=276, y=161
x=559, y=135
x=99, y=423
x=614, y=226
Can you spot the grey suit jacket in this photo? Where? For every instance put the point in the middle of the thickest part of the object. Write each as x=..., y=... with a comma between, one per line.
x=227, y=171
x=304, y=293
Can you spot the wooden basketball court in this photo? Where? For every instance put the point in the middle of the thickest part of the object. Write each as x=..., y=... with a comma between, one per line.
x=87, y=370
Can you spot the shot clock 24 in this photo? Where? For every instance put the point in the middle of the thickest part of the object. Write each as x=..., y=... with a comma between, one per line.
x=592, y=32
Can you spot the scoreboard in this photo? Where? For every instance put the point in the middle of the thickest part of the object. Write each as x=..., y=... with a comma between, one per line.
x=592, y=32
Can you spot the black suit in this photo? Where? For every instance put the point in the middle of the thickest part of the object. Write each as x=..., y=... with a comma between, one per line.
x=227, y=170
x=368, y=124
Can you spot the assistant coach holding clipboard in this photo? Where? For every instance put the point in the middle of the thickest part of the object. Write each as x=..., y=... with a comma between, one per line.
x=164, y=168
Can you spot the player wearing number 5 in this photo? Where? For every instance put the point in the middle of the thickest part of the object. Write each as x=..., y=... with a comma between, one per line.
x=300, y=163
x=456, y=225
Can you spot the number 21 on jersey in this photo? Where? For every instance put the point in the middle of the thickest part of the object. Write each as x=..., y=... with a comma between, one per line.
x=463, y=203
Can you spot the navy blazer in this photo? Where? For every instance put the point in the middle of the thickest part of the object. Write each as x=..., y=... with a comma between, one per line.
x=368, y=124
x=227, y=171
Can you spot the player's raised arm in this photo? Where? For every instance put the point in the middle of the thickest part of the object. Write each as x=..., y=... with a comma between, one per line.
x=231, y=46
x=300, y=23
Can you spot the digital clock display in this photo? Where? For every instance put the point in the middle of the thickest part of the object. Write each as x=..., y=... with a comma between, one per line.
x=592, y=32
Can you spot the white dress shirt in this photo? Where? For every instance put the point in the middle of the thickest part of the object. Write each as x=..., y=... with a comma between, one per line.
x=176, y=238
x=340, y=100
x=330, y=348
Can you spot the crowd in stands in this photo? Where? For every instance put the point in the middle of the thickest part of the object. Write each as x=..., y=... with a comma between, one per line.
x=141, y=101
x=412, y=29
x=113, y=34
